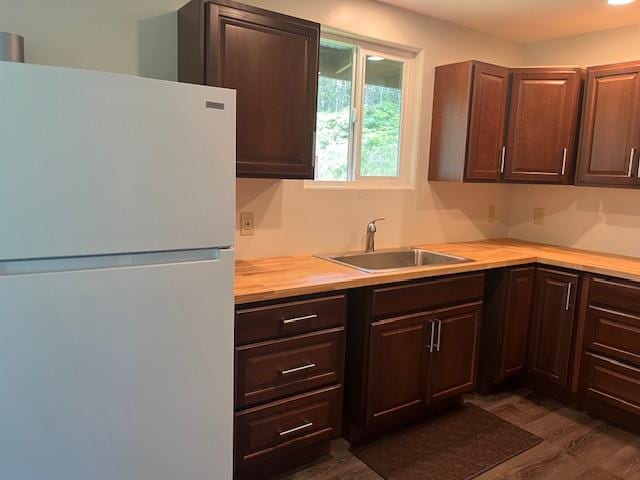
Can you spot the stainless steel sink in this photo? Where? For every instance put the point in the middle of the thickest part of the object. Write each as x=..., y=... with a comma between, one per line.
x=396, y=259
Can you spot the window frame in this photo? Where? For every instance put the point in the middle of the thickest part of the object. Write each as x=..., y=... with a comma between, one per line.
x=364, y=48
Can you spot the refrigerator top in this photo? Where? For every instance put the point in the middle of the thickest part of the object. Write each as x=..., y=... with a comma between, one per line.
x=96, y=163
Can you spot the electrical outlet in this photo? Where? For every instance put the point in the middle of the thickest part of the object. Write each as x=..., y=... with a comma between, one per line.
x=247, y=224
x=492, y=214
x=538, y=216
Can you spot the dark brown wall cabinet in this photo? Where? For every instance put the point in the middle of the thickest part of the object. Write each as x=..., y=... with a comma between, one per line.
x=272, y=61
x=552, y=326
x=492, y=123
x=610, y=137
x=469, y=118
x=289, y=367
x=411, y=347
x=507, y=310
x=543, y=122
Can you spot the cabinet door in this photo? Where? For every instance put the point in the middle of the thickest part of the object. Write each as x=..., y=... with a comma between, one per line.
x=455, y=351
x=271, y=60
x=542, y=126
x=610, y=127
x=398, y=361
x=516, y=320
x=552, y=326
x=487, y=123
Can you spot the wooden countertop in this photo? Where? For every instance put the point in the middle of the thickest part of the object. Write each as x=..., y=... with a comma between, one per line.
x=280, y=277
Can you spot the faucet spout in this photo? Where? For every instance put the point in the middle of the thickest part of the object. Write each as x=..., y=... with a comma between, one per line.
x=371, y=235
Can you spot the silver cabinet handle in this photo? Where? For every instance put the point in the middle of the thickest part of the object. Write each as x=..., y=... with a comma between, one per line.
x=298, y=369
x=502, y=156
x=437, y=344
x=631, y=157
x=568, y=304
x=296, y=429
x=298, y=319
x=564, y=160
x=433, y=332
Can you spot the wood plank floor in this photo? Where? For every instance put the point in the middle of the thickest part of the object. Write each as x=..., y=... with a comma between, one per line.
x=576, y=446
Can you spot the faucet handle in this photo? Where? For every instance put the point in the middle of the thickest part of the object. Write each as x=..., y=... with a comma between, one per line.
x=371, y=226
x=377, y=220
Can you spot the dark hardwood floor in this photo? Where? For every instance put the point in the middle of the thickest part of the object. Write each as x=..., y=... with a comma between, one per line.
x=576, y=445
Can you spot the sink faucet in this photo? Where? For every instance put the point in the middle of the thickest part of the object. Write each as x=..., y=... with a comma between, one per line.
x=371, y=234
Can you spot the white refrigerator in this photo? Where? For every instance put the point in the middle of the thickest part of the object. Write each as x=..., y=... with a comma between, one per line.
x=116, y=277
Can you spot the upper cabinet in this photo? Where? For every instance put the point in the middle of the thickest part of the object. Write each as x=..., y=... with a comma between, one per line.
x=469, y=117
x=543, y=121
x=610, y=136
x=494, y=124
x=272, y=61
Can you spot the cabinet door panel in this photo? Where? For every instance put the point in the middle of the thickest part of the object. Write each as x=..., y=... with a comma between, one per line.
x=610, y=127
x=552, y=325
x=516, y=322
x=272, y=62
x=542, y=127
x=397, y=367
x=454, y=357
x=487, y=124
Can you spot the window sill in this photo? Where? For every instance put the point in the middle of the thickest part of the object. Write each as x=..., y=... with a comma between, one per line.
x=327, y=185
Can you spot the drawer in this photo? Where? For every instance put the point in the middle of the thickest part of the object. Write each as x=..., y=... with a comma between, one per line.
x=283, y=427
x=277, y=368
x=615, y=295
x=611, y=382
x=614, y=334
x=290, y=318
x=427, y=295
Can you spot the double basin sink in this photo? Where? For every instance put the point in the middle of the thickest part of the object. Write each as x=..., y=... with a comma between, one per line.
x=396, y=259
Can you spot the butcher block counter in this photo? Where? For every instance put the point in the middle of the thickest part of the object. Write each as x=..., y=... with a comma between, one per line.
x=281, y=277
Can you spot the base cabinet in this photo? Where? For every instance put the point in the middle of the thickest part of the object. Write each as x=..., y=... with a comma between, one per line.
x=552, y=326
x=289, y=368
x=507, y=311
x=411, y=348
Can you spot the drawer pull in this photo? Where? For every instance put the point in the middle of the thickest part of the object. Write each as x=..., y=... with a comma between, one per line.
x=296, y=429
x=614, y=362
x=297, y=369
x=289, y=321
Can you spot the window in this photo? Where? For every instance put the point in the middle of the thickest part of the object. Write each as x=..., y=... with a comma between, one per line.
x=361, y=111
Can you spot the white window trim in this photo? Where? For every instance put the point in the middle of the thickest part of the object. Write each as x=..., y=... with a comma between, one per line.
x=410, y=107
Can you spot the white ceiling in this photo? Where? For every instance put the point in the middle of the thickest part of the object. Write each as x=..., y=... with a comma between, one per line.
x=528, y=20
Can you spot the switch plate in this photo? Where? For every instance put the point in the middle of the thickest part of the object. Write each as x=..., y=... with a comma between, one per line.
x=492, y=214
x=247, y=223
x=538, y=216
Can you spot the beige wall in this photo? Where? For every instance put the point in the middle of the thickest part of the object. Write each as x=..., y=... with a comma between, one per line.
x=139, y=37
x=603, y=219
x=293, y=220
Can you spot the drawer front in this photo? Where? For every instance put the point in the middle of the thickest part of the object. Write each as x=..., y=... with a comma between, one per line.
x=270, y=370
x=291, y=318
x=427, y=295
x=613, y=334
x=280, y=428
x=611, y=382
x=615, y=295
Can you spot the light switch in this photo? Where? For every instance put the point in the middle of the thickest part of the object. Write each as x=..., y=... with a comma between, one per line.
x=492, y=213
x=247, y=224
x=538, y=216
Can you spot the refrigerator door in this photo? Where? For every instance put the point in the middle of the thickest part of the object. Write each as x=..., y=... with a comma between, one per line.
x=96, y=163
x=118, y=373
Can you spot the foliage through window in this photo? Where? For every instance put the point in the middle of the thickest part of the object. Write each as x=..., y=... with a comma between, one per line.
x=360, y=109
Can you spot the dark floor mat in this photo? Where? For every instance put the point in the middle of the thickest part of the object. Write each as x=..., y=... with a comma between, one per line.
x=459, y=445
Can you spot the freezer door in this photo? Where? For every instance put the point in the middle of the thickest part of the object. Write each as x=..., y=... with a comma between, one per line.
x=96, y=163
x=118, y=373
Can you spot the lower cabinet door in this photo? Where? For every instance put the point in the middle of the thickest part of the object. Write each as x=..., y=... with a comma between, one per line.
x=551, y=334
x=455, y=351
x=398, y=361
